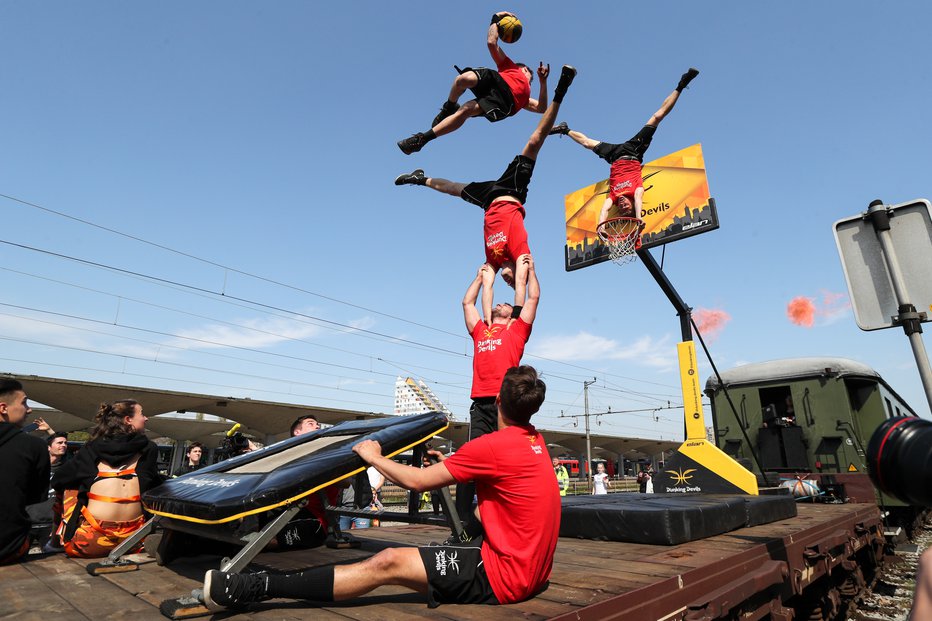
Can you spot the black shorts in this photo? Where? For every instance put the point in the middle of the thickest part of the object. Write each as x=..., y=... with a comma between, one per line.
x=456, y=574
x=493, y=94
x=483, y=417
x=513, y=182
x=634, y=149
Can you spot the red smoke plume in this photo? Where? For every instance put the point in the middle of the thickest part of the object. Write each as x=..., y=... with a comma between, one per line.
x=801, y=311
x=710, y=322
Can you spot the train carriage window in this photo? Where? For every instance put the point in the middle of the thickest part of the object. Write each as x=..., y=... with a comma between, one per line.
x=859, y=391
x=889, y=407
x=777, y=406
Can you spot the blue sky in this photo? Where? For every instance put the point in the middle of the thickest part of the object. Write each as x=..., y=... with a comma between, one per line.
x=243, y=139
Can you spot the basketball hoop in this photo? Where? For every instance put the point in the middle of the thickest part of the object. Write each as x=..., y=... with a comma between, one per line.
x=622, y=236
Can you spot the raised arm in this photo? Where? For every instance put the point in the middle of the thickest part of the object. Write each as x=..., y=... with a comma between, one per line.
x=497, y=54
x=488, y=280
x=470, y=314
x=529, y=312
x=539, y=105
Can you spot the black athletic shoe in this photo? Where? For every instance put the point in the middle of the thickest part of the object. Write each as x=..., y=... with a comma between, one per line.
x=686, y=78
x=412, y=144
x=448, y=108
x=566, y=78
x=560, y=128
x=223, y=590
x=412, y=178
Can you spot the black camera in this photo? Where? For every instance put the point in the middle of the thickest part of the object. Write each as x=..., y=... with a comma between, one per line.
x=234, y=443
x=899, y=459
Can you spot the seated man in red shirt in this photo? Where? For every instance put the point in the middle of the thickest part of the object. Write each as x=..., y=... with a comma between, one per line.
x=504, y=235
x=518, y=503
x=499, y=94
x=626, y=186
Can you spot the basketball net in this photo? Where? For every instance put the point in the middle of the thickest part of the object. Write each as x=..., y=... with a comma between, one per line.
x=622, y=236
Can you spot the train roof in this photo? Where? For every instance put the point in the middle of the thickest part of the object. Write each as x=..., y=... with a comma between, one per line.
x=799, y=368
x=793, y=368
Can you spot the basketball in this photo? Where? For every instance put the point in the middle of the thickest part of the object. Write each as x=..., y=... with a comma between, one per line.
x=509, y=29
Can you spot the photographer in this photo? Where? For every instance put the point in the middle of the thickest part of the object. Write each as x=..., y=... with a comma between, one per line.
x=901, y=445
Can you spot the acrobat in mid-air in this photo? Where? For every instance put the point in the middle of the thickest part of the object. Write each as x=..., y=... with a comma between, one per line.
x=499, y=94
x=503, y=200
x=626, y=187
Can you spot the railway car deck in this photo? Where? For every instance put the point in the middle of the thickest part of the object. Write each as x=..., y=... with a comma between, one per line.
x=813, y=559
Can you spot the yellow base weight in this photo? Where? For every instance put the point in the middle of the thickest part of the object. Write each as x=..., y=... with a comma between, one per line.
x=701, y=467
x=698, y=465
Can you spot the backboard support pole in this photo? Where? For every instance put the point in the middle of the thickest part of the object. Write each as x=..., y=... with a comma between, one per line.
x=697, y=465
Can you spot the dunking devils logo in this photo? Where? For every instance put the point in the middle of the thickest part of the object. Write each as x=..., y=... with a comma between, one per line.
x=490, y=332
x=681, y=477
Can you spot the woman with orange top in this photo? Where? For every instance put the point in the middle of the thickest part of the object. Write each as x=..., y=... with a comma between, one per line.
x=102, y=486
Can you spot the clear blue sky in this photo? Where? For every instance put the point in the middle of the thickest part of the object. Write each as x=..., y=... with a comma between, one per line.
x=261, y=137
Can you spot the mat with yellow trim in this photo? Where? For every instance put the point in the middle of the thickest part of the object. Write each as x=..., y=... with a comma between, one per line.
x=284, y=472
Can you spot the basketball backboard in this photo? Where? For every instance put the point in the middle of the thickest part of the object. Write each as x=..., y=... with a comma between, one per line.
x=869, y=284
x=676, y=205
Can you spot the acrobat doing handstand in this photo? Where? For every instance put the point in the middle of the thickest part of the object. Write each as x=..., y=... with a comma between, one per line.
x=626, y=186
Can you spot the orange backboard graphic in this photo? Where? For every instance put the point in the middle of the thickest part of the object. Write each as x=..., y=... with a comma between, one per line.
x=676, y=204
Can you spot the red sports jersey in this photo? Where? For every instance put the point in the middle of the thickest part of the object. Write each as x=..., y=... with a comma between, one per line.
x=505, y=235
x=519, y=506
x=496, y=349
x=624, y=178
x=518, y=83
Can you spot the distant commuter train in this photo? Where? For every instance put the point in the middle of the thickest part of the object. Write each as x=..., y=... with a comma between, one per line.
x=806, y=415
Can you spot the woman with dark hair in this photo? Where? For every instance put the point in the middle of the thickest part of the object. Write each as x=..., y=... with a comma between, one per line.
x=102, y=485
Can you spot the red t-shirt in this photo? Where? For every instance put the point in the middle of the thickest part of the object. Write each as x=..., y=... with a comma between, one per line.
x=624, y=178
x=505, y=235
x=518, y=83
x=495, y=350
x=519, y=506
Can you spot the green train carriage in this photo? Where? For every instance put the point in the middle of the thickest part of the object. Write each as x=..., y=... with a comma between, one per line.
x=809, y=417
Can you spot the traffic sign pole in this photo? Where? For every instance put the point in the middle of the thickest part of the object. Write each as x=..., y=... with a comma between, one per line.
x=907, y=317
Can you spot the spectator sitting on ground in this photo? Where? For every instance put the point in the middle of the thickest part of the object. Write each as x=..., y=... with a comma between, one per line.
x=24, y=472
x=103, y=485
x=46, y=515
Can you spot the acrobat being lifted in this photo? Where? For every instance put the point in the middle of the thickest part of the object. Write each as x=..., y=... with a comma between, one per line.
x=499, y=93
x=503, y=199
x=626, y=186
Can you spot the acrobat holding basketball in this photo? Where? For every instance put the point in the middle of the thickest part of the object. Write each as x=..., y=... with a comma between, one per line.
x=626, y=186
x=503, y=199
x=499, y=93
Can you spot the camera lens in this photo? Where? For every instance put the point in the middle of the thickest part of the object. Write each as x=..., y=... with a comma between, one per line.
x=899, y=459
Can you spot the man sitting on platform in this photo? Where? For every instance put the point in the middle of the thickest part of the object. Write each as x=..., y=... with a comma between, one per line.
x=518, y=503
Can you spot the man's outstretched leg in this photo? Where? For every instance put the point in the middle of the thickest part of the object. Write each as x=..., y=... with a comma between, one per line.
x=453, y=188
x=396, y=566
x=670, y=101
x=536, y=141
x=665, y=108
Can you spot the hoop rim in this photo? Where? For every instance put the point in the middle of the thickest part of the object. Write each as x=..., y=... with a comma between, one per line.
x=603, y=234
